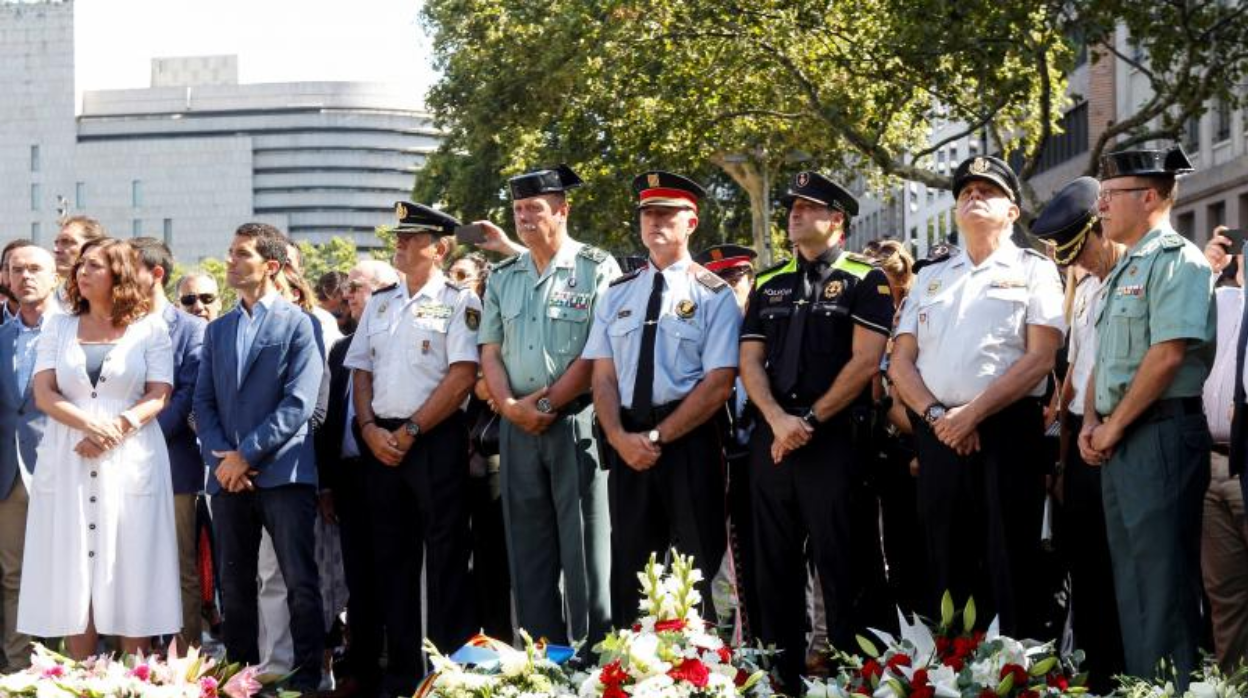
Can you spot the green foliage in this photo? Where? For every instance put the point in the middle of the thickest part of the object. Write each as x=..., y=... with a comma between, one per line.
x=614, y=87
x=339, y=254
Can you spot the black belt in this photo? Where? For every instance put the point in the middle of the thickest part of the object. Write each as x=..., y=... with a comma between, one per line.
x=1172, y=407
x=1222, y=449
x=388, y=423
x=575, y=407
x=647, y=419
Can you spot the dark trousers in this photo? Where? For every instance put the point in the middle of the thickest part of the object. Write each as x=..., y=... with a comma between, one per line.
x=489, y=558
x=358, y=565
x=742, y=543
x=677, y=503
x=288, y=513
x=1085, y=547
x=1153, y=489
x=901, y=532
x=421, y=506
x=981, y=516
x=808, y=502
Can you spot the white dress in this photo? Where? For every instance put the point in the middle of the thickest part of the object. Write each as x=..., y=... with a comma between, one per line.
x=100, y=532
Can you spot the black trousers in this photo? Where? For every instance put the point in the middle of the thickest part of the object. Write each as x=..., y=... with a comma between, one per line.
x=1085, y=546
x=981, y=516
x=359, y=564
x=808, y=504
x=490, y=573
x=677, y=503
x=288, y=513
x=742, y=541
x=421, y=506
x=901, y=532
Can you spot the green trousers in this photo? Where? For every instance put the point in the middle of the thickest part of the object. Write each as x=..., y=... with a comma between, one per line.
x=1153, y=489
x=557, y=523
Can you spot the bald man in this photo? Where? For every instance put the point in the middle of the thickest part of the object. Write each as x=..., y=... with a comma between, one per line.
x=199, y=295
x=32, y=280
x=342, y=491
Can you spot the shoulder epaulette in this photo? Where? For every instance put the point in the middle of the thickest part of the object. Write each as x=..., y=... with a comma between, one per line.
x=854, y=264
x=708, y=278
x=625, y=277
x=774, y=270
x=505, y=263
x=386, y=289
x=453, y=286
x=1171, y=241
x=929, y=261
x=593, y=254
x=1035, y=253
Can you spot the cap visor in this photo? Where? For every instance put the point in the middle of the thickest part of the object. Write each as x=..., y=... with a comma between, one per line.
x=668, y=203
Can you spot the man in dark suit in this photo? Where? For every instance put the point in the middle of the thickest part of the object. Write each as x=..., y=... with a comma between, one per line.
x=187, y=333
x=259, y=375
x=32, y=279
x=341, y=470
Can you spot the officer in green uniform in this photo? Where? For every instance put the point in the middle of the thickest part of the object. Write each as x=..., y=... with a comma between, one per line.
x=814, y=332
x=1143, y=417
x=538, y=310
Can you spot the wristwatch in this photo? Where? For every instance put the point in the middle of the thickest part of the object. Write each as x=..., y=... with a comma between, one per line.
x=654, y=437
x=412, y=429
x=934, y=412
x=544, y=406
x=810, y=417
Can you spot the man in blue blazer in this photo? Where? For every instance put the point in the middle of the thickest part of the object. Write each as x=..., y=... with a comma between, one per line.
x=32, y=273
x=259, y=375
x=185, y=462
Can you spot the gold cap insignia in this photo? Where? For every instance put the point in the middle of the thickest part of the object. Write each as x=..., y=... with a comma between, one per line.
x=979, y=166
x=400, y=210
x=833, y=289
x=803, y=178
x=652, y=179
x=685, y=308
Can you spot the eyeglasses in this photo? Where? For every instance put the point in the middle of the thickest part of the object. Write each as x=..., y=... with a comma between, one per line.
x=460, y=275
x=1107, y=194
x=353, y=286
x=204, y=298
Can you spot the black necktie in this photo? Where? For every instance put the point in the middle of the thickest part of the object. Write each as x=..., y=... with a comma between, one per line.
x=791, y=356
x=643, y=386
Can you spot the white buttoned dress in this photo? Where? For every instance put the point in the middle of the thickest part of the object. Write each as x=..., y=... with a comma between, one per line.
x=100, y=531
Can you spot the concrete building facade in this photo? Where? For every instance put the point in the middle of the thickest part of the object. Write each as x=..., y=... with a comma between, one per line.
x=196, y=154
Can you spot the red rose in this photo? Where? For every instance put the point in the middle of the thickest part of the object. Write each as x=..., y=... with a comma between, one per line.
x=691, y=670
x=870, y=669
x=666, y=625
x=1029, y=694
x=614, y=691
x=1020, y=674
x=897, y=660
x=942, y=646
x=741, y=677
x=987, y=693
x=1058, y=681
x=955, y=662
x=725, y=655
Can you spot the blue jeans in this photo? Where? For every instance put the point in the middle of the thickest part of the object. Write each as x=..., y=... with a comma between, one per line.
x=288, y=513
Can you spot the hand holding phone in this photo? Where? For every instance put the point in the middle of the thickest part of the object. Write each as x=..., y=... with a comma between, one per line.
x=1236, y=236
x=471, y=234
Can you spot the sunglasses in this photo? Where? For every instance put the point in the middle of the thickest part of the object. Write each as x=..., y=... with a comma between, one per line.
x=205, y=298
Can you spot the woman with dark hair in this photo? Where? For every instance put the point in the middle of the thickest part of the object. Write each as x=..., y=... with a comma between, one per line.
x=101, y=556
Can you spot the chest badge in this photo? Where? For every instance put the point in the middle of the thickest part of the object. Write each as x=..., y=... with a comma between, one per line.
x=623, y=314
x=424, y=346
x=833, y=289
x=383, y=307
x=1132, y=271
x=571, y=282
x=933, y=287
x=685, y=308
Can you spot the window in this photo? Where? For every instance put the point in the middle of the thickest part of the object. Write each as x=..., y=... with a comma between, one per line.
x=1070, y=143
x=1191, y=134
x=34, y=158
x=80, y=195
x=168, y=232
x=136, y=193
x=136, y=228
x=36, y=193
x=1217, y=214
x=1221, y=121
x=1187, y=224
x=34, y=232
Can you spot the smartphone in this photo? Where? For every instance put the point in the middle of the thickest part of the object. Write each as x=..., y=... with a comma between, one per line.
x=1236, y=236
x=471, y=234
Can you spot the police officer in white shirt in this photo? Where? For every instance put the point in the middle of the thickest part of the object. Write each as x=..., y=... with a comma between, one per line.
x=664, y=341
x=976, y=340
x=415, y=359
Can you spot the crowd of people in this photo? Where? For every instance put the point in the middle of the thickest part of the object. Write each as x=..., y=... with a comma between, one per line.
x=439, y=446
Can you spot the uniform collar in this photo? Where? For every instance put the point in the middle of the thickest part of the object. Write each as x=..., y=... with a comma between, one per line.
x=675, y=270
x=825, y=259
x=1139, y=248
x=429, y=290
x=565, y=256
x=1006, y=255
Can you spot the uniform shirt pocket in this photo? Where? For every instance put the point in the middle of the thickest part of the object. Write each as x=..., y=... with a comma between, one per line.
x=932, y=319
x=1006, y=310
x=625, y=334
x=1128, y=328
x=681, y=345
x=429, y=338
x=568, y=329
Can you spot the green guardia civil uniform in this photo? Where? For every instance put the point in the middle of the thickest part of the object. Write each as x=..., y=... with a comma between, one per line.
x=1154, y=483
x=554, y=494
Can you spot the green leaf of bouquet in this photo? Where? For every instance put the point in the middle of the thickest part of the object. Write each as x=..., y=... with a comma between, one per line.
x=1081, y=679
x=867, y=647
x=1006, y=685
x=875, y=682
x=968, y=616
x=1043, y=666
x=898, y=689
x=946, y=610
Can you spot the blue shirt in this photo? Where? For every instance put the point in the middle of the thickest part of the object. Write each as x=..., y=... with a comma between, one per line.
x=26, y=349
x=699, y=324
x=249, y=327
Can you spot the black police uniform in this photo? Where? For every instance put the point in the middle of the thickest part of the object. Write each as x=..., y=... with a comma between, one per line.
x=805, y=312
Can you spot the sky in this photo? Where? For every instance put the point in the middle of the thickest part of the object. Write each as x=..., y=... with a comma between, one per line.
x=275, y=40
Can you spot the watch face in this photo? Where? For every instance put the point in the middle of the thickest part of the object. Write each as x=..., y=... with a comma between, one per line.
x=653, y=436
x=543, y=405
x=412, y=429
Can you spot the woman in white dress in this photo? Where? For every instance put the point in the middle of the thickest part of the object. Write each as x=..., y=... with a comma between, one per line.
x=101, y=556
